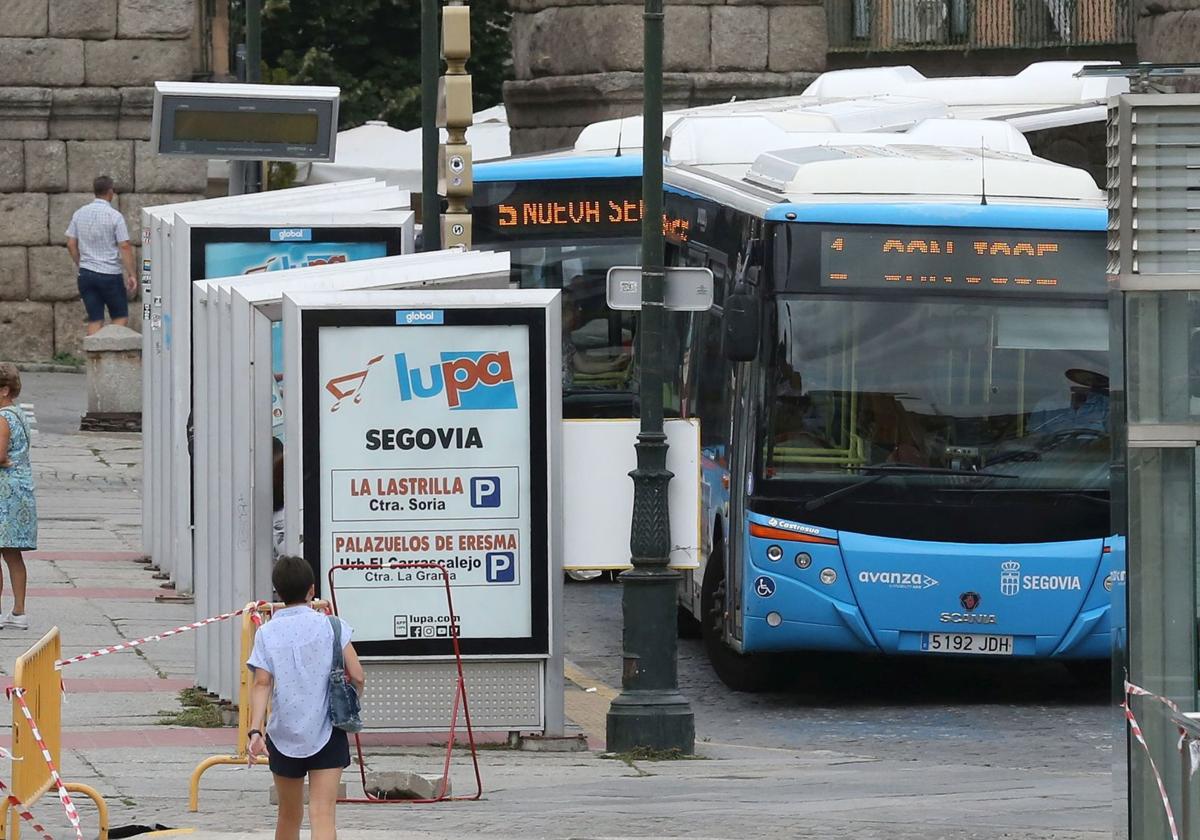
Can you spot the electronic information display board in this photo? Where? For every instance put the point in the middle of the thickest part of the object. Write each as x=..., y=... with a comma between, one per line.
x=1032, y=262
x=581, y=208
x=245, y=122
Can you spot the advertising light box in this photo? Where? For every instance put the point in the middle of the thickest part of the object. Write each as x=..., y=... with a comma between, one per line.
x=207, y=469
x=427, y=439
x=166, y=518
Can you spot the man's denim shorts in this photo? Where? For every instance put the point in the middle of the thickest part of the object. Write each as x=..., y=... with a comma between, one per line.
x=100, y=290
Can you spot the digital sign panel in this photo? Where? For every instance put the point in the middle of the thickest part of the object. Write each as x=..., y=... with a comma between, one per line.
x=1033, y=262
x=245, y=122
x=568, y=209
x=236, y=126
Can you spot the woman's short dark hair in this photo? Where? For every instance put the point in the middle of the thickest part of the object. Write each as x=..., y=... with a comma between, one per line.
x=291, y=577
x=10, y=376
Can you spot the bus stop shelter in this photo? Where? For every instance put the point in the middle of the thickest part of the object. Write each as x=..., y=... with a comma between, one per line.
x=1154, y=270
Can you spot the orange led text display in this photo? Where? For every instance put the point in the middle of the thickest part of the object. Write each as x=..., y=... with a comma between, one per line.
x=1032, y=261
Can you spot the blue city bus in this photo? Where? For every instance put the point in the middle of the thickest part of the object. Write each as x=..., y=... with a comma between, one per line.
x=903, y=396
x=566, y=219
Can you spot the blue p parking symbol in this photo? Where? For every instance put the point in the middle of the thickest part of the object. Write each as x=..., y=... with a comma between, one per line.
x=501, y=567
x=485, y=491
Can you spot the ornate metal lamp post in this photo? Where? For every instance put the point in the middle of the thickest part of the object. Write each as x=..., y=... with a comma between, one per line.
x=650, y=711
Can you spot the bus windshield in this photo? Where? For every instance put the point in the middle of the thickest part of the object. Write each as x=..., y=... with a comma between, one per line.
x=1019, y=389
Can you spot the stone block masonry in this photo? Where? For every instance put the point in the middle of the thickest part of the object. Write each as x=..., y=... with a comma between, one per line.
x=76, y=91
x=1168, y=32
x=714, y=50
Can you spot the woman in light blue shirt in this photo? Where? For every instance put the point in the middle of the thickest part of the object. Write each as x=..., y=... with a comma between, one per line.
x=291, y=661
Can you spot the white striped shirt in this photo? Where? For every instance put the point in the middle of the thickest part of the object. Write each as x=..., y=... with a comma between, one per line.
x=99, y=228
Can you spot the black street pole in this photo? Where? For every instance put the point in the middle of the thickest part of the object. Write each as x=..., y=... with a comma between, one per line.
x=431, y=205
x=254, y=175
x=650, y=711
x=237, y=168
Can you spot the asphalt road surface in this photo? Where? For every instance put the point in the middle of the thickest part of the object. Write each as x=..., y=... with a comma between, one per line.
x=1011, y=714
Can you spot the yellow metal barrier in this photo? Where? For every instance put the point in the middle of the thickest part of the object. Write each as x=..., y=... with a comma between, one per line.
x=245, y=684
x=36, y=676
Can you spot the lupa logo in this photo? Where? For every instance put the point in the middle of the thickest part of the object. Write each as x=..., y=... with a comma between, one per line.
x=473, y=380
x=349, y=385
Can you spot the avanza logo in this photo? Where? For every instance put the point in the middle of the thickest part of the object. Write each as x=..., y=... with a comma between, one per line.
x=473, y=380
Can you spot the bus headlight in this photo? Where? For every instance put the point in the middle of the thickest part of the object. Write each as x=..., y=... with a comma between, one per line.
x=828, y=577
x=774, y=553
x=803, y=560
x=774, y=619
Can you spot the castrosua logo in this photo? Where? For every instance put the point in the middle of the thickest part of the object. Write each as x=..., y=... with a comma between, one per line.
x=792, y=526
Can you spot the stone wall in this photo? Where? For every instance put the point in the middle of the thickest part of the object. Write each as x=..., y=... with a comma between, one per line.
x=1168, y=32
x=76, y=93
x=576, y=62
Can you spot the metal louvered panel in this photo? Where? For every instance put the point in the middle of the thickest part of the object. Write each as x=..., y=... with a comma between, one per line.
x=1154, y=176
x=417, y=696
x=1154, y=253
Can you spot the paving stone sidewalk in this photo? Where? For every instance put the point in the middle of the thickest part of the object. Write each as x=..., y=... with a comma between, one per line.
x=86, y=580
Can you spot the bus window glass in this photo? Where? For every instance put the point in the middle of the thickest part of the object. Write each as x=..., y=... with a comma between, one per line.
x=950, y=384
x=712, y=398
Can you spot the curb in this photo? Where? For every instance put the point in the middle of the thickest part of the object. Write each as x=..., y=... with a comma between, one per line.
x=47, y=367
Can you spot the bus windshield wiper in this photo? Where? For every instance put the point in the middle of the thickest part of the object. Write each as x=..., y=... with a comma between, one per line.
x=878, y=472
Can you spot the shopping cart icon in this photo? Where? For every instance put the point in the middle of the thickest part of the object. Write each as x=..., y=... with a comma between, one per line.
x=350, y=385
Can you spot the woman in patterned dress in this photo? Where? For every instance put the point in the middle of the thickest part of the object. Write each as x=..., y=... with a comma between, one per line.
x=18, y=510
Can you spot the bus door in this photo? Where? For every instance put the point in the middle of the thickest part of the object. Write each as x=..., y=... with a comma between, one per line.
x=742, y=436
x=744, y=399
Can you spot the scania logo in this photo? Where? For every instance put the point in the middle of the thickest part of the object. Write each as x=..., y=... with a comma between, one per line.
x=967, y=618
x=969, y=600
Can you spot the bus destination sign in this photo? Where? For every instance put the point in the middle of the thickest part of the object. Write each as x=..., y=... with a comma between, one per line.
x=993, y=260
x=549, y=210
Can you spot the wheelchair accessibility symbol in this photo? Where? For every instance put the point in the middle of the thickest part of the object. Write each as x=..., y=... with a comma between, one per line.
x=764, y=587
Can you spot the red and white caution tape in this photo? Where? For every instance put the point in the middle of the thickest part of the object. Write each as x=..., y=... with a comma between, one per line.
x=195, y=625
x=1138, y=691
x=23, y=813
x=1132, y=690
x=64, y=797
x=19, y=806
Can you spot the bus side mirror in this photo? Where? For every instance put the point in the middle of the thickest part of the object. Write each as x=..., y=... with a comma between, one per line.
x=740, y=327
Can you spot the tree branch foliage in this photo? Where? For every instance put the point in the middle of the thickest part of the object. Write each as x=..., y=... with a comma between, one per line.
x=371, y=49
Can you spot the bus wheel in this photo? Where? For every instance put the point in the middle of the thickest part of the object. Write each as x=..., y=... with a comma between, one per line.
x=737, y=671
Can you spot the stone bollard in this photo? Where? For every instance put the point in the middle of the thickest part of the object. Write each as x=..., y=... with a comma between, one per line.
x=114, y=381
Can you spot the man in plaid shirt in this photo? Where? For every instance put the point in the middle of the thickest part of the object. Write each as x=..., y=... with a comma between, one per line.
x=98, y=241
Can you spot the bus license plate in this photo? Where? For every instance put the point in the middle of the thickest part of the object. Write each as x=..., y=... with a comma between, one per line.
x=972, y=643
